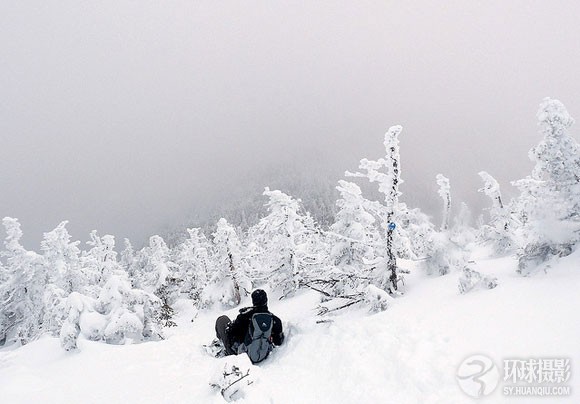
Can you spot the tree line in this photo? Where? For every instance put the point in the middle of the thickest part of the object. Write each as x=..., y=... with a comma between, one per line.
x=128, y=296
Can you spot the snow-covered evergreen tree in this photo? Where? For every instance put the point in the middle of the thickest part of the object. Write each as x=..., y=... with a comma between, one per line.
x=129, y=311
x=354, y=233
x=387, y=273
x=62, y=259
x=99, y=262
x=22, y=305
x=413, y=234
x=229, y=282
x=445, y=194
x=193, y=263
x=549, y=202
x=4, y=315
x=354, y=238
x=158, y=275
x=156, y=265
x=445, y=255
x=127, y=260
x=120, y=314
x=290, y=243
x=462, y=233
x=499, y=230
x=65, y=274
x=76, y=304
x=54, y=310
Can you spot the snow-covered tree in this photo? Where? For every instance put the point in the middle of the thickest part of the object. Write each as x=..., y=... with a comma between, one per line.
x=157, y=265
x=290, y=243
x=499, y=230
x=549, y=202
x=54, y=312
x=354, y=232
x=99, y=262
x=193, y=263
x=76, y=304
x=413, y=234
x=62, y=259
x=491, y=189
x=462, y=233
x=132, y=313
x=120, y=315
x=127, y=260
x=229, y=282
x=158, y=275
x=4, y=315
x=445, y=194
x=387, y=173
x=446, y=256
x=22, y=293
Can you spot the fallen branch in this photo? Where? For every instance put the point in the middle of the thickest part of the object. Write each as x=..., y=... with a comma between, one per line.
x=322, y=310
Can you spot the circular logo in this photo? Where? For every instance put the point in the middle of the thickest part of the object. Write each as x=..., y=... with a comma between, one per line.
x=478, y=376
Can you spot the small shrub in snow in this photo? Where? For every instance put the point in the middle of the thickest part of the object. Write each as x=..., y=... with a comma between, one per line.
x=233, y=379
x=376, y=299
x=534, y=255
x=445, y=257
x=471, y=280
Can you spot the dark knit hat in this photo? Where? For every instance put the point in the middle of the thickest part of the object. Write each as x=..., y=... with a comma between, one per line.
x=259, y=298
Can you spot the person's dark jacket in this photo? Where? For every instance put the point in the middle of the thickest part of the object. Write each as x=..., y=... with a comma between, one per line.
x=238, y=329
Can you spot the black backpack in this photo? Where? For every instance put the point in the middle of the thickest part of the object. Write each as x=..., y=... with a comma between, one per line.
x=257, y=343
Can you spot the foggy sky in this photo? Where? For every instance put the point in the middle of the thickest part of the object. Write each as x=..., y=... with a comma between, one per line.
x=127, y=116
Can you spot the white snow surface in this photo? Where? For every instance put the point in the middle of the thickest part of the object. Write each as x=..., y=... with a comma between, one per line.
x=407, y=354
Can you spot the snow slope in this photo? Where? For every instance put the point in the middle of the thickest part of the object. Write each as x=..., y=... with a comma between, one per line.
x=407, y=354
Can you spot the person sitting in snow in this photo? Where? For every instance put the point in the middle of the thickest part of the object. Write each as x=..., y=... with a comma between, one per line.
x=254, y=331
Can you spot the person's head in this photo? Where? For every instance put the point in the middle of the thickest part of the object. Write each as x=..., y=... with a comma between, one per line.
x=259, y=298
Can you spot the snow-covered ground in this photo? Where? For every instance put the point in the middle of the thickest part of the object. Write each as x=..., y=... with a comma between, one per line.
x=409, y=353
